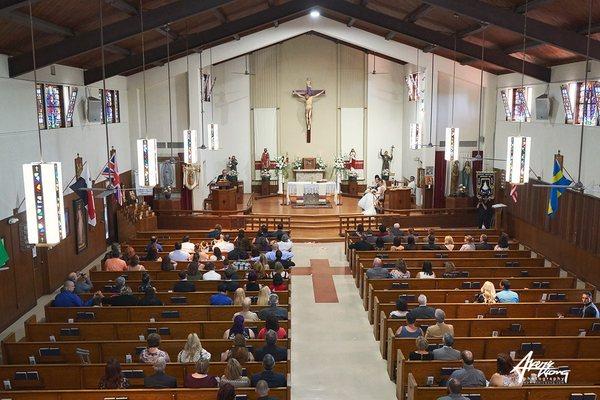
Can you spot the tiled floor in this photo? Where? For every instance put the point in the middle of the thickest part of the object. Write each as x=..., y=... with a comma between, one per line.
x=334, y=354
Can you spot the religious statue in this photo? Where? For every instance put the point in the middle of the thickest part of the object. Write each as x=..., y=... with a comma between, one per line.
x=386, y=158
x=265, y=160
x=466, y=177
x=352, y=159
x=232, y=163
x=454, y=177
x=308, y=95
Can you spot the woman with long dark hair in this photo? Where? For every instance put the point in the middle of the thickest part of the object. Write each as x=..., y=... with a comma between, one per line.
x=113, y=376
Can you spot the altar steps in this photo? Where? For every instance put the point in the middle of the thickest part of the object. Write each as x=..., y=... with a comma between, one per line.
x=315, y=228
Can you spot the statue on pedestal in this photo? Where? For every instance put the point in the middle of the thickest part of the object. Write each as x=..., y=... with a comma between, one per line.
x=265, y=160
x=232, y=163
x=466, y=178
x=386, y=158
x=454, y=177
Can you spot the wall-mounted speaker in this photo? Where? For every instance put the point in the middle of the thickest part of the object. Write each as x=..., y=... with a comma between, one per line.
x=542, y=107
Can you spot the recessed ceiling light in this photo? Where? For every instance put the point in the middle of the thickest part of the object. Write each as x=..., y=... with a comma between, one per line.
x=315, y=13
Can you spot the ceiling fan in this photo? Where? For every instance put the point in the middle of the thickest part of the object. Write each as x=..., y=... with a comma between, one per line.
x=246, y=72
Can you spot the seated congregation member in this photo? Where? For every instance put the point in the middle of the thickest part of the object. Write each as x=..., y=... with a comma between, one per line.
x=193, y=270
x=239, y=351
x=285, y=244
x=278, y=284
x=68, y=298
x=152, y=254
x=152, y=352
x=113, y=376
x=396, y=231
x=242, y=241
x=469, y=244
x=401, y=309
x=379, y=244
x=134, y=264
x=590, y=310
x=154, y=243
x=217, y=255
x=262, y=244
x=145, y=284
x=184, y=285
x=211, y=274
x=160, y=380
x=483, y=243
x=272, y=324
x=252, y=285
x=276, y=255
x=263, y=296
x=238, y=328
x=446, y=352
x=262, y=391
x=221, y=298
x=506, y=295
x=278, y=269
x=450, y=270
x=441, y=327
x=449, y=243
x=238, y=296
x=246, y=313
x=400, y=271
x=502, y=243
x=454, y=391
x=230, y=278
x=421, y=353
x=410, y=329
x=186, y=245
x=410, y=243
x=215, y=233
x=468, y=375
x=278, y=353
x=179, y=255
x=120, y=283
x=82, y=282
x=193, y=351
x=128, y=252
x=237, y=253
x=423, y=311
x=277, y=234
x=426, y=271
x=273, y=309
x=233, y=375
x=273, y=379
x=115, y=262
x=150, y=298
x=377, y=271
x=226, y=392
x=167, y=264
x=505, y=376
x=431, y=245
x=200, y=378
x=225, y=244
x=361, y=245
x=396, y=244
x=125, y=298
x=487, y=293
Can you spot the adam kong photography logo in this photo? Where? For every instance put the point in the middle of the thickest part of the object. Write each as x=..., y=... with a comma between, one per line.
x=545, y=370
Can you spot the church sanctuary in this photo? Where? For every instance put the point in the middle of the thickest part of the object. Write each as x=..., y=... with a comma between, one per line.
x=300, y=200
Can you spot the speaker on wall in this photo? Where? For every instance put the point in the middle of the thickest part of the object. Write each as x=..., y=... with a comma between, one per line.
x=94, y=109
x=542, y=107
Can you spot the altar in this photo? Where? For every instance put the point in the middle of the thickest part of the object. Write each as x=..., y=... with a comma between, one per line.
x=310, y=192
x=308, y=175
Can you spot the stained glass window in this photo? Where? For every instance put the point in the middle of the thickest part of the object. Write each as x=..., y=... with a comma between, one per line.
x=70, y=96
x=507, y=108
x=517, y=104
x=112, y=106
x=568, y=106
x=41, y=110
x=586, y=104
x=54, y=110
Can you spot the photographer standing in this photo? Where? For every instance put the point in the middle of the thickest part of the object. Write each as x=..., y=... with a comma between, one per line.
x=82, y=282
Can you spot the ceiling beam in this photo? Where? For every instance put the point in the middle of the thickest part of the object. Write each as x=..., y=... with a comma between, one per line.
x=434, y=37
x=202, y=39
x=115, y=32
x=220, y=15
x=11, y=5
x=123, y=6
x=512, y=21
x=471, y=30
x=417, y=13
x=390, y=35
x=39, y=24
x=429, y=48
x=531, y=4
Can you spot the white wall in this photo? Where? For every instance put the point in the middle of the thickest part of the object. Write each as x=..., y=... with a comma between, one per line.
x=549, y=136
x=19, y=138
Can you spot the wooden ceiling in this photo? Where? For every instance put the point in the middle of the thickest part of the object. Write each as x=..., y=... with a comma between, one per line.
x=67, y=31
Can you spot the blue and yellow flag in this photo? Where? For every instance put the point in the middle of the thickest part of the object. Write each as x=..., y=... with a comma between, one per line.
x=558, y=179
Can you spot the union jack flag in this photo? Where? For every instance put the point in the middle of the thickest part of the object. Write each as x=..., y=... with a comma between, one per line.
x=111, y=171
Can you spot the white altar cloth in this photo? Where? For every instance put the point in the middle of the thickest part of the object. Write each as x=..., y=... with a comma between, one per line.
x=302, y=188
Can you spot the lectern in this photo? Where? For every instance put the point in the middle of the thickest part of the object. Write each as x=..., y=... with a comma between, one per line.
x=398, y=199
x=223, y=196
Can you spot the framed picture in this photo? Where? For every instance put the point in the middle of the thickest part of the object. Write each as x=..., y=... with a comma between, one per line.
x=81, y=222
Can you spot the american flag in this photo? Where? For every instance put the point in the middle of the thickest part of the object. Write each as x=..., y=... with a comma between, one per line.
x=513, y=193
x=111, y=171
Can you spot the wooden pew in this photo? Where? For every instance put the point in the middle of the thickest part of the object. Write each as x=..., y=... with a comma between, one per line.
x=158, y=275
x=165, y=285
x=102, y=350
x=138, y=394
x=123, y=314
x=81, y=331
x=553, y=392
x=87, y=376
x=583, y=372
x=489, y=347
x=480, y=327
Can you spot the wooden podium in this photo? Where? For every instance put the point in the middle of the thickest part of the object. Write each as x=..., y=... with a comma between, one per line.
x=224, y=196
x=398, y=199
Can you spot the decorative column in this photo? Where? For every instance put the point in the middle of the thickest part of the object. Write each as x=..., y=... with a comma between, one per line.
x=280, y=181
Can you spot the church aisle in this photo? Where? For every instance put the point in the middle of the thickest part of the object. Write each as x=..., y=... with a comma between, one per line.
x=334, y=355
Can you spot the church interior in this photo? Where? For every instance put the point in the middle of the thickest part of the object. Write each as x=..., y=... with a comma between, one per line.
x=421, y=172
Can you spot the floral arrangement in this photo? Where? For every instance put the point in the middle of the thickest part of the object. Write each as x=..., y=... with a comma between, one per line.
x=339, y=164
x=320, y=163
x=264, y=173
x=232, y=172
x=280, y=163
x=353, y=173
x=297, y=164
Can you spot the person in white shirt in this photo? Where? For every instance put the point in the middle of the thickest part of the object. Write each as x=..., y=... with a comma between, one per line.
x=211, y=274
x=285, y=244
x=426, y=271
x=469, y=244
x=412, y=185
x=186, y=245
x=179, y=255
x=225, y=245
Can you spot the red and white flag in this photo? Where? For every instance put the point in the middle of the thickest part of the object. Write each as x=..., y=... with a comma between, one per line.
x=91, y=207
x=513, y=193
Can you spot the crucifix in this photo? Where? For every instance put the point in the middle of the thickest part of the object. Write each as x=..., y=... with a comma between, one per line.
x=307, y=95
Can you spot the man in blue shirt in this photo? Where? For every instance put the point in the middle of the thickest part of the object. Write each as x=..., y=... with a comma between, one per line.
x=506, y=295
x=68, y=298
x=273, y=254
x=154, y=242
x=221, y=298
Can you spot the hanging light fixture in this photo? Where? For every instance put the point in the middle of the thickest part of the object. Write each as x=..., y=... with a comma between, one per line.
x=190, y=136
x=452, y=132
x=213, y=128
x=203, y=146
x=42, y=182
x=416, y=140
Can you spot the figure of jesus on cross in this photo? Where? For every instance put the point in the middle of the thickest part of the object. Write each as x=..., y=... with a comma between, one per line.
x=307, y=95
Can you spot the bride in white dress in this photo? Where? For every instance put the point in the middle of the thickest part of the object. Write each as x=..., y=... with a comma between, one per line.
x=368, y=202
